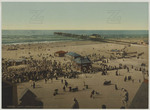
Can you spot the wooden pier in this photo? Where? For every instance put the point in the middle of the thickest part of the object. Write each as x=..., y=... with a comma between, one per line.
x=93, y=37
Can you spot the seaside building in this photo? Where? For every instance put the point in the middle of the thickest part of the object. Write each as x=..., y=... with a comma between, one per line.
x=92, y=37
x=96, y=37
x=116, y=52
x=143, y=42
x=72, y=55
x=60, y=53
x=82, y=63
x=9, y=95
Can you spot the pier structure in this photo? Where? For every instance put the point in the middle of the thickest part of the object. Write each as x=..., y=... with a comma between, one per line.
x=84, y=37
x=94, y=37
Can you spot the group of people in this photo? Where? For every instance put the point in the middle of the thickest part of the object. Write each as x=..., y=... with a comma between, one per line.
x=125, y=97
x=71, y=89
x=93, y=93
x=36, y=70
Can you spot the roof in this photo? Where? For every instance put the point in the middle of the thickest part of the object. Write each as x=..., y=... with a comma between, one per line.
x=115, y=50
x=73, y=54
x=7, y=83
x=16, y=60
x=82, y=60
x=140, y=100
x=61, y=52
x=27, y=93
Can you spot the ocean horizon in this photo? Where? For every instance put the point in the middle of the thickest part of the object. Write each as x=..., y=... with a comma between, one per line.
x=40, y=36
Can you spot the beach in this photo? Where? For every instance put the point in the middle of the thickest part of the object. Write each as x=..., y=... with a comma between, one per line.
x=106, y=94
x=75, y=55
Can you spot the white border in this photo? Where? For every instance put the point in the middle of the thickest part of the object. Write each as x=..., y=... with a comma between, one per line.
x=75, y=1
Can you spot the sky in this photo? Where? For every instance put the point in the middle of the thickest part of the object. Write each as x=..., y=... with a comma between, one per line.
x=74, y=16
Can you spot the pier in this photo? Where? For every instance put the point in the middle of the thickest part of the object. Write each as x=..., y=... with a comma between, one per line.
x=93, y=37
x=83, y=37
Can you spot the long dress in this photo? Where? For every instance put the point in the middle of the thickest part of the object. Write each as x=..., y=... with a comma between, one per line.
x=75, y=105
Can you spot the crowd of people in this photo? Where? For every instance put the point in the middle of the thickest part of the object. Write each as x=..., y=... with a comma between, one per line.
x=36, y=70
x=48, y=69
x=41, y=69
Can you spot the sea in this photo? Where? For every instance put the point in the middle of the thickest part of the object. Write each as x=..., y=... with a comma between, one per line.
x=40, y=36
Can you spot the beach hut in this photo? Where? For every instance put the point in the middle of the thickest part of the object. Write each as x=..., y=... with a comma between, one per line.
x=82, y=62
x=60, y=53
x=9, y=94
x=72, y=55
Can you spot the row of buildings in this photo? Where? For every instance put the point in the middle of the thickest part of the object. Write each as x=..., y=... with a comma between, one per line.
x=78, y=61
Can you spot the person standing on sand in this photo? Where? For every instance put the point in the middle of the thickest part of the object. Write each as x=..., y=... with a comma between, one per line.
x=33, y=84
x=56, y=77
x=62, y=81
x=117, y=73
x=92, y=94
x=70, y=89
x=103, y=106
x=64, y=88
x=125, y=78
x=45, y=80
x=116, y=87
x=132, y=66
x=76, y=104
x=66, y=83
x=128, y=69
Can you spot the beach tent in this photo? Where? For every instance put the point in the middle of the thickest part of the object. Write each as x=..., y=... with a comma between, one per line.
x=72, y=55
x=60, y=53
x=140, y=100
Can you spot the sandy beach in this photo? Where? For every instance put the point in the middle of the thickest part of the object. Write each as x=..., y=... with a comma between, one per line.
x=107, y=94
x=75, y=55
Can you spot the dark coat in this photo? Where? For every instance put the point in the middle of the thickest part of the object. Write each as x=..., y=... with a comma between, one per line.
x=75, y=105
